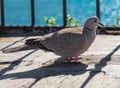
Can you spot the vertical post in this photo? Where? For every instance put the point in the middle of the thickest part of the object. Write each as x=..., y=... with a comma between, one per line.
x=98, y=8
x=2, y=15
x=32, y=13
x=64, y=13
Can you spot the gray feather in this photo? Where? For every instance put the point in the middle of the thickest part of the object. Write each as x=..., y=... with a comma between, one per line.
x=15, y=49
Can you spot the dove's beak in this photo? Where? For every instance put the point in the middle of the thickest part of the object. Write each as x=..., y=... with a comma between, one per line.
x=101, y=24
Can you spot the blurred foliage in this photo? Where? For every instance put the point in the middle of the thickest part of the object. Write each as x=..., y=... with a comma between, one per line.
x=71, y=21
x=50, y=21
x=117, y=21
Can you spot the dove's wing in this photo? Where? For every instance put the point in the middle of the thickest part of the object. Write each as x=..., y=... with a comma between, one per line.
x=66, y=42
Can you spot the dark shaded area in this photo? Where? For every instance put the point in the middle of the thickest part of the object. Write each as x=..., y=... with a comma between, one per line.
x=15, y=30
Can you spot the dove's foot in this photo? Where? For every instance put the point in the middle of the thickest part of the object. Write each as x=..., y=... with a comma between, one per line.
x=68, y=60
x=72, y=59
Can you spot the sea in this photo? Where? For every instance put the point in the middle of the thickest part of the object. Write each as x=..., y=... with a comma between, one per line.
x=17, y=12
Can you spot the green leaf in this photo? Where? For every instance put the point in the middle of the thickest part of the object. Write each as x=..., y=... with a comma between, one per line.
x=117, y=20
x=52, y=20
x=72, y=21
x=45, y=18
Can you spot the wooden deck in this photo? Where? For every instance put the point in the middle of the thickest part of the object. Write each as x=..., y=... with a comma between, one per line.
x=99, y=67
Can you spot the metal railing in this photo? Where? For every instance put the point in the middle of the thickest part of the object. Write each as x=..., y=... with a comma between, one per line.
x=31, y=28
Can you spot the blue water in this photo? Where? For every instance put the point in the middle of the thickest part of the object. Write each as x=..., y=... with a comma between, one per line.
x=18, y=11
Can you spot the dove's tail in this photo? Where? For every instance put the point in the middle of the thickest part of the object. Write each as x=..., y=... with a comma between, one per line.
x=29, y=44
x=16, y=49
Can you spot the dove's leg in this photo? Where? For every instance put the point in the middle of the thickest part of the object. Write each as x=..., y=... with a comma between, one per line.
x=68, y=60
x=72, y=59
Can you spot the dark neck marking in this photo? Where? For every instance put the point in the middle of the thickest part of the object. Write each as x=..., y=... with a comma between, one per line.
x=88, y=28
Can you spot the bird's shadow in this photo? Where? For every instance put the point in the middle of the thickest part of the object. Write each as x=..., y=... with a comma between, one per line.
x=50, y=70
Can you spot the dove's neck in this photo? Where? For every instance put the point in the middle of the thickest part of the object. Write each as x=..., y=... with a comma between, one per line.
x=89, y=34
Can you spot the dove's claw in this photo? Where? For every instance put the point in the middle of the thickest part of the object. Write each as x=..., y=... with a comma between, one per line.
x=72, y=59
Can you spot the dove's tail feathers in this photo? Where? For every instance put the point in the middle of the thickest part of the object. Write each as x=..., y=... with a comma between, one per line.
x=36, y=43
x=29, y=44
x=16, y=49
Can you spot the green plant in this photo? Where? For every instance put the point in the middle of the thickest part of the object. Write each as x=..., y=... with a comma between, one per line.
x=50, y=21
x=117, y=20
x=71, y=21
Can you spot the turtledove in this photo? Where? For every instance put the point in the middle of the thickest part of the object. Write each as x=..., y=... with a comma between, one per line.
x=68, y=42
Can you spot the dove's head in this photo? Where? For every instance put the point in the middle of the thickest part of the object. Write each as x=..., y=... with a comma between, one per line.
x=92, y=23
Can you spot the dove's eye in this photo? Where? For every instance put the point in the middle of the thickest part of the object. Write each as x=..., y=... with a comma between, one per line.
x=95, y=20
